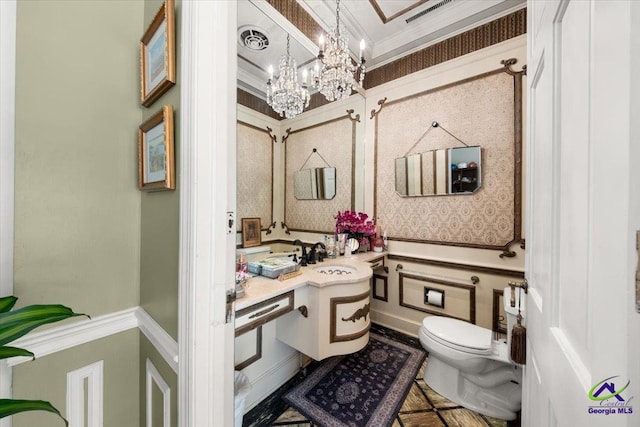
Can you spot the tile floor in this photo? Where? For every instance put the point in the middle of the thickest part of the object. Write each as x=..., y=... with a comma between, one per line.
x=422, y=407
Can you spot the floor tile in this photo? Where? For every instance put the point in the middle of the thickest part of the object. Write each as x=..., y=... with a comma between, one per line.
x=291, y=415
x=436, y=399
x=415, y=400
x=494, y=422
x=421, y=419
x=463, y=418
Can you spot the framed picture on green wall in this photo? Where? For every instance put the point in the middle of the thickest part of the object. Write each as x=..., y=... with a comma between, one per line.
x=156, y=160
x=157, y=55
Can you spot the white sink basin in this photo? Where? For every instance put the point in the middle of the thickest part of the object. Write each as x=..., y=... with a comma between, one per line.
x=335, y=270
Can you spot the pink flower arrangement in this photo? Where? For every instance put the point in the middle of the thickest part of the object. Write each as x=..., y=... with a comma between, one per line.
x=355, y=224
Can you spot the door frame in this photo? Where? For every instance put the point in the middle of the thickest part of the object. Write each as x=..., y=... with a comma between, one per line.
x=207, y=201
x=7, y=154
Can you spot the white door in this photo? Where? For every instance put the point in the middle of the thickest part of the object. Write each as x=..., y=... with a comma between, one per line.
x=582, y=213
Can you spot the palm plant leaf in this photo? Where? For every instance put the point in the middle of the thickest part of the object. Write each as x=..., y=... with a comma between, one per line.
x=6, y=352
x=7, y=303
x=10, y=407
x=14, y=324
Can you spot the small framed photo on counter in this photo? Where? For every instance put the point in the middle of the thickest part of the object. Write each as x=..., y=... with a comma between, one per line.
x=156, y=160
x=251, y=232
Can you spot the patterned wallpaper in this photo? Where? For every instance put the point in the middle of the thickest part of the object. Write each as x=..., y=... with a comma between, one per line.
x=254, y=174
x=334, y=141
x=479, y=111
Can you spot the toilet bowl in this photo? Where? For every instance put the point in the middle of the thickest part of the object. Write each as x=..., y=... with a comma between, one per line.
x=470, y=368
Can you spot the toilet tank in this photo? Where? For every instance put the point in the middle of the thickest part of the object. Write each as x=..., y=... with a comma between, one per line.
x=512, y=311
x=255, y=253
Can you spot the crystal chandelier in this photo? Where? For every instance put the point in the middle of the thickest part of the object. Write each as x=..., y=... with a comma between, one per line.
x=335, y=72
x=284, y=94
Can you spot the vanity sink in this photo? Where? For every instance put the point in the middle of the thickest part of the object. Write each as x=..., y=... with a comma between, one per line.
x=335, y=270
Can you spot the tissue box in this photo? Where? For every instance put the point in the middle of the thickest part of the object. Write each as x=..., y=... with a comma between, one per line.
x=273, y=267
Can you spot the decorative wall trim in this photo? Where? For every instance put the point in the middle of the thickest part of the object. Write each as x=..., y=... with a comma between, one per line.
x=471, y=289
x=159, y=338
x=93, y=375
x=475, y=241
x=360, y=313
x=309, y=214
x=63, y=337
x=70, y=335
x=250, y=206
x=458, y=266
x=384, y=281
x=153, y=376
x=258, y=354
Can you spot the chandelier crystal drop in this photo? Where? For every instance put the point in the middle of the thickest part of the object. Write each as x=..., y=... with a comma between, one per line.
x=284, y=94
x=335, y=74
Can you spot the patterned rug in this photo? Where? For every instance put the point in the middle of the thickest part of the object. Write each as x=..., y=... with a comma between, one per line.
x=364, y=389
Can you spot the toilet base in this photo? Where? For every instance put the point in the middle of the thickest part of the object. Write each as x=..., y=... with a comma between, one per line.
x=502, y=400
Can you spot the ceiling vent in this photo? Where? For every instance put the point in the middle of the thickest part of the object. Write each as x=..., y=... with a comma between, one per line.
x=253, y=38
x=428, y=10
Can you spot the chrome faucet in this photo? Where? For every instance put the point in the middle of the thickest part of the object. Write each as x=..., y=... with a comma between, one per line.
x=303, y=257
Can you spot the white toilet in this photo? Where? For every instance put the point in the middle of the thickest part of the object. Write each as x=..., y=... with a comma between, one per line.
x=467, y=366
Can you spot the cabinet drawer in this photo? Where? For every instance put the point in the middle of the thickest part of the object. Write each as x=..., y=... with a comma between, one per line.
x=263, y=312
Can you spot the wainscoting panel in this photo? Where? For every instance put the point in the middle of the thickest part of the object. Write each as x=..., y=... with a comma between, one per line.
x=460, y=298
x=85, y=388
x=154, y=378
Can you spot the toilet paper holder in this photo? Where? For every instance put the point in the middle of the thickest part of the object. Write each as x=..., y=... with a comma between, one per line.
x=434, y=297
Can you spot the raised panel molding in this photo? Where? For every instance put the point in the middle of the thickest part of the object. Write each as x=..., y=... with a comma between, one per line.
x=153, y=376
x=82, y=332
x=93, y=401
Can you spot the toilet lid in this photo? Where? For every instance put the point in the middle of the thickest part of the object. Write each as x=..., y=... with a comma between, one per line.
x=458, y=333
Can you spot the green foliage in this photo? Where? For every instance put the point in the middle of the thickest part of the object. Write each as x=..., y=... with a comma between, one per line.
x=15, y=324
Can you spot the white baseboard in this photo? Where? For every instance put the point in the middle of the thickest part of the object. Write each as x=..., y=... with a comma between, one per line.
x=272, y=379
x=406, y=326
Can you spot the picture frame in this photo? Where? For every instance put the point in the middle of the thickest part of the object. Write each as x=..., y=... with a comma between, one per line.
x=156, y=158
x=251, y=232
x=157, y=55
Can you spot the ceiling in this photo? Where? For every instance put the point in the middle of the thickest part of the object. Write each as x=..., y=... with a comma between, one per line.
x=391, y=29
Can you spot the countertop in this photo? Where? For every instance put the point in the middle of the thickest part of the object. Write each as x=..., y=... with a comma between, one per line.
x=260, y=288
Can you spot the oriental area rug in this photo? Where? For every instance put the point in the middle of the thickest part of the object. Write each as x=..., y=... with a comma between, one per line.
x=363, y=389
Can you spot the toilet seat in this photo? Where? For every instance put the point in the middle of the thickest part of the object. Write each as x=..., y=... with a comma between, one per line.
x=458, y=335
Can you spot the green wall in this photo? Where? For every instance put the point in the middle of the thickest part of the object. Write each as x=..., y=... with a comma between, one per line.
x=160, y=210
x=48, y=375
x=77, y=205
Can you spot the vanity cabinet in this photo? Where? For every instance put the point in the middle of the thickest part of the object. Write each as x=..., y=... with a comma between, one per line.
x=258, y=314
x=337, y=320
